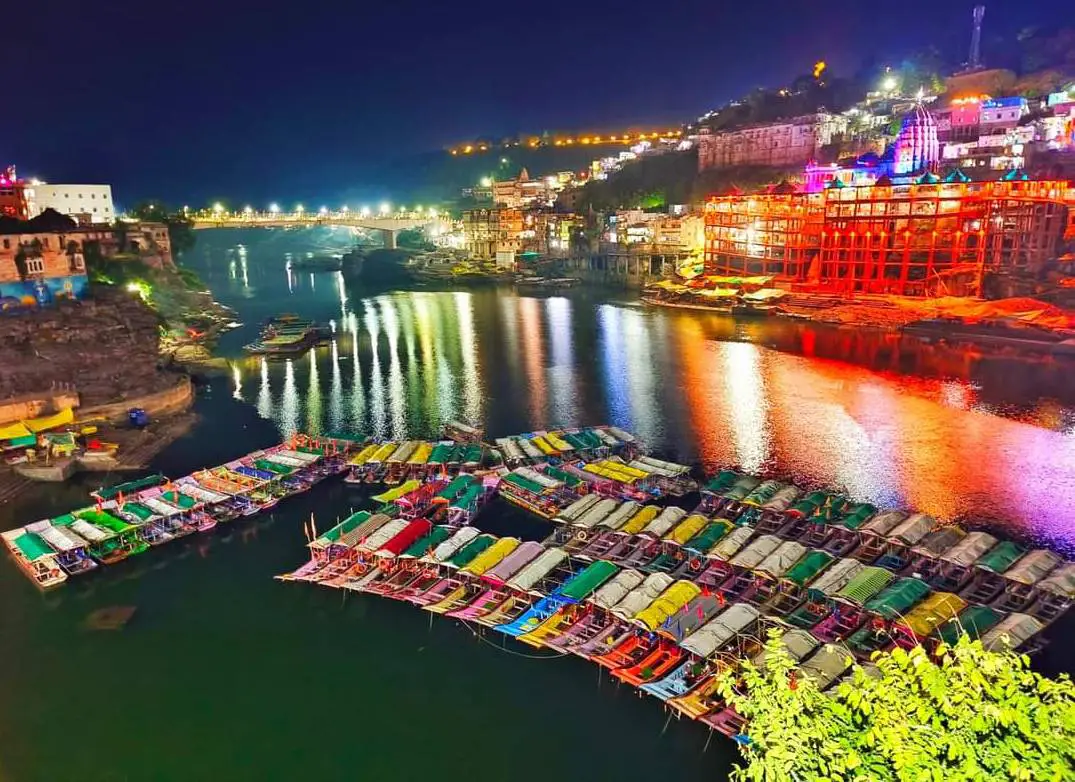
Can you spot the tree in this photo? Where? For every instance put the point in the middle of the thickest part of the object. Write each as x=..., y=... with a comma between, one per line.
x=964, y=714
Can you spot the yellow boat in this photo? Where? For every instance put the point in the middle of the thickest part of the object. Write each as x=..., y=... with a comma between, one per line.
x=687, y=529
x=667, y=604
x=489, y=558
x=362, y=456
x=421, y=454
x=451, y=601
x=640, y=520
x=545, y=631
x=558, y=442
x=543, y=445
x=395, y=493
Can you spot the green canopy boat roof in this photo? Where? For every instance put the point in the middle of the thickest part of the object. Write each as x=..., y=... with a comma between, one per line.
x=467, y=497
x=709, y=536
x=859, y=515
x=345, y=526
x=472, y=454
x=524, y=483
x=130, y=486
x=1002, y=556
x=179, y=499
x=32, y=546
x=463, y=557
x=808, y=567
x=563, y=477
x=274, y=467
x=441, y=453
x=898, y=598
x=458, y=484
x=973, y=620
x=722, y=481
x=139, y=510
x=866, y=583
x=105, y=520
x=425, y=544
x=309, y=450
x=588, y=579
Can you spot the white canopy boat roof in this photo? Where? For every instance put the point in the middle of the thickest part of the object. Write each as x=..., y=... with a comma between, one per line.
x=969, y=550
x=448, y=549
x=1033, y=566
x=787, y=554
x=621, y=515
x=666, y=519
x=544, y=564
x=836, y=576
x=641, y=596
x=753, y=555
x=729, y=545
x=597, y=513
x=1011, y=632
x=721, y=629
x=617, y=588
x=62, y=539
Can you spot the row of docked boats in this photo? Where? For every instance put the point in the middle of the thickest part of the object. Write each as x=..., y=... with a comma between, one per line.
x=287, y=335
x=130, y=518
x=394, y=462
x=668, y=631
x=668, y=599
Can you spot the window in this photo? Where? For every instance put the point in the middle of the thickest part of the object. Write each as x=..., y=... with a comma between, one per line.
x=35, y=266
x=93, y=195
x=7, y=244
x=66, y=195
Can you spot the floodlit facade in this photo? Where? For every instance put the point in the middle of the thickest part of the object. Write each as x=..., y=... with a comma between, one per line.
x=85, y=203
x=919, y=239
x=787, y=143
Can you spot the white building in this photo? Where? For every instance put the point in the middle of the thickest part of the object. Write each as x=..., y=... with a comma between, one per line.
x=789, y=142
x=85, y=203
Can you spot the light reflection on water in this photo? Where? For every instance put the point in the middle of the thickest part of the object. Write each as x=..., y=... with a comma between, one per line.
x=960, y=436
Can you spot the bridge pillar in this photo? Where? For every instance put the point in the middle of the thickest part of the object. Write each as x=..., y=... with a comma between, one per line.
x=388, y=236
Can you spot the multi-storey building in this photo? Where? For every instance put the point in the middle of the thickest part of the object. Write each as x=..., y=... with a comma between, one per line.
x=924, y=238
x=88, y=204
x=786, y=143
x=493, y=234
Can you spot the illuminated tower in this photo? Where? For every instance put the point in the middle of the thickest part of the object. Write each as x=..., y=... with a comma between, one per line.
x=976, y=39
x=917, y=147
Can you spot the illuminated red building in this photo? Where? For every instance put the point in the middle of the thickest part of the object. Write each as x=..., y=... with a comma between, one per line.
x=925, y=238
x=13, y=196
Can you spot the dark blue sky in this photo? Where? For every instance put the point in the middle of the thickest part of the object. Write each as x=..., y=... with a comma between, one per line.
x=196, y=100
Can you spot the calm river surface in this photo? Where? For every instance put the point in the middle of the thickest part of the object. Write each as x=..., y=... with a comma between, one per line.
x=225, y=674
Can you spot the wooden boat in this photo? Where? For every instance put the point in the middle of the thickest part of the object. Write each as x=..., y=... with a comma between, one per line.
x=70, y=548
x=34, y=557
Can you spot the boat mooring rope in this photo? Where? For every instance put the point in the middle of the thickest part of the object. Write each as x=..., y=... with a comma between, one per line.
x=504, y=649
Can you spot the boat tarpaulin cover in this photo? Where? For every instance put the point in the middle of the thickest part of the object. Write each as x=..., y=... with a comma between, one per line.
x=697, y=612
x=932, y=612
x=867, y=583
x=797, y=643
x=808, y=567
x=898, y=597
x=1002, y=557
x=642, y=595
x=732, y=542
x=618, y=588
x=721, y=629
x=969, y=550
x=1011, y=632
x=588, y=579
x=451, y=546
x=667, y=604
x=1033, y=567
x=529, y=576
x=827, y=664
x=514, y=562
x=428, y=542
x=837, y=576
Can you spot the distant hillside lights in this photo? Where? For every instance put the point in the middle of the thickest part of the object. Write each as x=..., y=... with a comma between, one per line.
x=534, y=142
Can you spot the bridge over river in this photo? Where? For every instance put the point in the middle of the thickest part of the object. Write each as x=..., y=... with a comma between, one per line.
x=389, y=225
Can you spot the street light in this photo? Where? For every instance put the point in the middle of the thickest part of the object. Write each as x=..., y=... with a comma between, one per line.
x=432, y=212
x=218, y=208
x=323, y=210
x=298, y=209
x=274, y=208
x=486, y=181
x=385, y=206
x=365, y=211
x=889, y=84
x=248, y=210
x=418, y=209
x=343, y=209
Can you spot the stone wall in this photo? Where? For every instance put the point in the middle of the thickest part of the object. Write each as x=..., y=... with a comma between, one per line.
x=106, y=348
x=173, y=399
x=33, y=405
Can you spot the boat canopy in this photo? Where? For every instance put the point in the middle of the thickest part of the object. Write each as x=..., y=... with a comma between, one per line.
x=539, y=478
x=743, y=486
x=732, y=542
x=1012, y=632
x=487, y=559
x=427, y=543
x=866, y=583
x=545, y=563
x=364, y=530
x=363, y=456
x=673, y=469
x=763, y=492
x=470, y=551
x=90, y=532
x=898, y=597
x=1033, y=567
x=641, y=596
x=911, y=531
x=468, y=498
x=620, y=434
x=939, y=541
x=139, y=511
x=753, y=555
x=333, y=535
x=205, y=495
x=721, y=629
x=382, y=453
x=382, y=535
x=827, y=664
x=664, y=522
x=698, y=611
x=797, y=643
x=61, y=539
x=559, y=443
x=524, y=483
x=782, y=499
x=858, y=515
x=884, y=522
x=777, y=563
x=667, y=604
x=457, y=486
x=974, y=621
x=582, y=585
x=596, y=514
x=441, y=453
x=415, y=530
x=617, y=589
x=105, y=520
x=969, y=550
x=396, y=492
x=1061, y=581
x=578, y=508
x=933, y=612
x=158, y=506
x=836, y=577
x=721, y=482
x=448, y=548
x=687, y=529
x=1001, y=557
x=403, y=452
x=638, y=522
x=111, y=492
x=514, y=562
x=807, y=568
x=620, y=516
x=421, y=453
x=179, y=499
x=30, y=544
x=708, y=537
x=306, y=457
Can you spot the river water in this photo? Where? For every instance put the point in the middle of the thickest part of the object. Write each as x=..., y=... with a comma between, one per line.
x=225, y=674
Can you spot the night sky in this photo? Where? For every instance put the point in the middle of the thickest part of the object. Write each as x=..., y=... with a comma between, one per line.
x=193, y=101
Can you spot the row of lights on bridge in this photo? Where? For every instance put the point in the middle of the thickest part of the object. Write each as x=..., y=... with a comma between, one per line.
x=365, y=211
